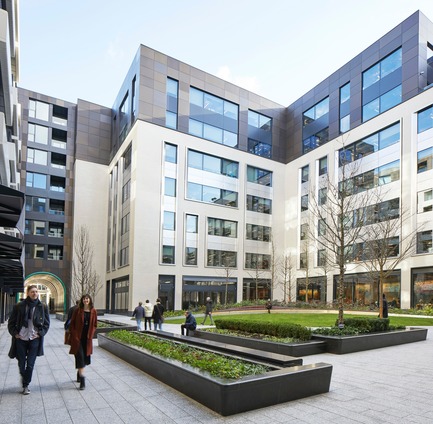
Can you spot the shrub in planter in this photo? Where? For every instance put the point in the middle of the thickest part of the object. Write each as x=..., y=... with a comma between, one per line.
x=367, y=325
x=215, y=364
x=281, y=330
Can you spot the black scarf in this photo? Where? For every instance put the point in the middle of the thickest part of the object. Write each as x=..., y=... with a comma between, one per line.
x=30, y=305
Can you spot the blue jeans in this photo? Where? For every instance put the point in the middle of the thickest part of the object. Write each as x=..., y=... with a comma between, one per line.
x=27, y=350
x=139, y=324
x=157, y=323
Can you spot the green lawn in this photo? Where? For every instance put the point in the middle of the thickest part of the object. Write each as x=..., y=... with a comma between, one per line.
x=308, y=319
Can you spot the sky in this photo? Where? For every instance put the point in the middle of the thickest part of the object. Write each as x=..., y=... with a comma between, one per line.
x=279, y=49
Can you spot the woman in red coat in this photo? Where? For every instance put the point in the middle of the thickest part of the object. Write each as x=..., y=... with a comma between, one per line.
x=82, y=328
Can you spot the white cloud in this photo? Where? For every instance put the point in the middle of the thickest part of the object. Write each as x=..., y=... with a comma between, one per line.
x=250, y=83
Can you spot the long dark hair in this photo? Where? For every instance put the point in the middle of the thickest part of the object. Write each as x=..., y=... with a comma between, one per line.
x=82, y=303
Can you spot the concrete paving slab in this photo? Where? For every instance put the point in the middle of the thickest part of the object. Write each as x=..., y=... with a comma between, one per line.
x=388, y=385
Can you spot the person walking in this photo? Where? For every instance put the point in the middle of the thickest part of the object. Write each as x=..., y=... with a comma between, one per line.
x=148, y=311
x=139, y=315
x=208, y=311
x=158, y=314
x=189, y=325
x=83, y=325
x=28, y=324
x=269, y=305
x=385, y=306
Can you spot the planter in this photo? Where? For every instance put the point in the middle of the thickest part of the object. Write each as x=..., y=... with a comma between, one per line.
x=312, y=347
x=261, y=356
x=350, y=344
x=227, y=397
x=113, y=326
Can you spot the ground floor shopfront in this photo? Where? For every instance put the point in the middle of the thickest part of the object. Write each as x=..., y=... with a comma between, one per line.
x=359, y=289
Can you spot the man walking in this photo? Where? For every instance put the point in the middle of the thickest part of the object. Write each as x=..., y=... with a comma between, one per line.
x=28, y=324
x=208, y=311
x=139, y=315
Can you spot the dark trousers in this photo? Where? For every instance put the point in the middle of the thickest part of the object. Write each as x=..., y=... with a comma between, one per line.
x=27, y=351
x=188, y=328
x=147, y=320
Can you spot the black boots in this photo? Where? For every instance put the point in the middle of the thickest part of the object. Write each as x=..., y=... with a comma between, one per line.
x=82, y=383
x=78, y=377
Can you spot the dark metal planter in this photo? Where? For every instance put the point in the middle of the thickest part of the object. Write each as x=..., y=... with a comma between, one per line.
x=350, y=344
x=113, y=326
x=227, y=397
x=312, y=347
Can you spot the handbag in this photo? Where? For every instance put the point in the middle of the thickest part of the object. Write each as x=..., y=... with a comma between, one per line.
x=67, y=337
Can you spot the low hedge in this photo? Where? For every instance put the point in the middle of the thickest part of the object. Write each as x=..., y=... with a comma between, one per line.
x=367, y=325
x=281, y=330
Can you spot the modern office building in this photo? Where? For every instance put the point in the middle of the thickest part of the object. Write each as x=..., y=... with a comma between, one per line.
x=190, y=186
x=11, y=199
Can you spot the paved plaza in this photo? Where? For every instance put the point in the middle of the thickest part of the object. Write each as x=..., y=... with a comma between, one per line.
x=387, y=385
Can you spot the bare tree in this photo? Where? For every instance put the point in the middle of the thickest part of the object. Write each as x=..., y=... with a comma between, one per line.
x=85, y=280
x=333, y=207
x=273, y=266
x=287, y=267
x=305, y=263
x=385, y=245
x=257, y=275
x=227, y=272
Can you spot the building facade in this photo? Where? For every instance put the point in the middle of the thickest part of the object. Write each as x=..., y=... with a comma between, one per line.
x=11, y=198
x=192, y=187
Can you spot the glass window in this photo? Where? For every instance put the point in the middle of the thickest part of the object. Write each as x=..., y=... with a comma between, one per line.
x=127, y=158
x=221, y=258
x=257, y=261
x=55, y=229
x=212, y=164
x=304, y=231
x=190, y=256
x=36, y=180
x=322, y=196
x=124, y=225
x=425, y=119
x=168, y=254
x=425, y=160
x=55, y=253
x=191, y=223
x=389, y=172
x=304, y=202
x=170, y=153
x=169, y=221
x=36, y=204
x=258, y=232
x=126, y=191
x=222, y=227
x=39, y=110
x=321, y=227
x=370, y=144
x=259, y=204
x=382, y=69
x=35, y=228
x=259, y=176
x=38, y=157
x=305, y=173
x=34, y=251
x=345, y=124
x=323, y=165
x=60, y=115
x=170, y=187
x=259, y=148
x=424, y=242
x=213, y=118
x=345, y=93
x=38, y=134
x=316, y=112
